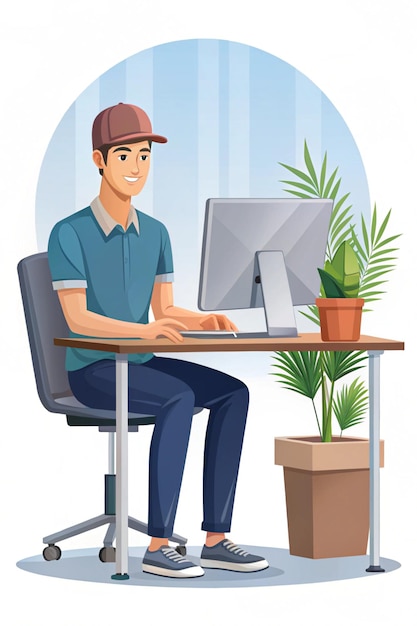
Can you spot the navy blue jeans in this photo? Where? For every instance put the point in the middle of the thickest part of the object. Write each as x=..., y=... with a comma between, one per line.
x=170, y=389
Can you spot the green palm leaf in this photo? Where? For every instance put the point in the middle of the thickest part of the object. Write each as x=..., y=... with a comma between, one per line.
x=329, y=189
x=379, y=269
x=323, y=175
x=378, y=253
x=298, y=173
x=339, y=233
x=372, y=284
x=341, y=227
x=297, y=194
x=361, y=253
x=365, y=237
x=339, y=220
x=312, y=315
x=381, y=228
x=339, y=364
x=350, y=404
x=298, y=371
x=333, y=193
x=302, y=186
x=374, y=257
x=310, y=167
x=338, y=205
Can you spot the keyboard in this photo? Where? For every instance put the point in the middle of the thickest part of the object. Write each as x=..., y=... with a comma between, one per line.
x=223, y=334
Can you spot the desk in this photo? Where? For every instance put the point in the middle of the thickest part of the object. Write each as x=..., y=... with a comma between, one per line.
x=312, y=341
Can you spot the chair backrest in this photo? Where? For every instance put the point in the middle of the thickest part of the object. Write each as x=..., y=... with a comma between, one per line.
x=44, y=321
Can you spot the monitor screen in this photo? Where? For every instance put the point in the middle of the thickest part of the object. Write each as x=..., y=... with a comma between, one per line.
x=236, y=230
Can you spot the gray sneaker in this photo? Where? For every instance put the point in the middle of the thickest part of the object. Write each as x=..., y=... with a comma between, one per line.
x=227, y=555
x=167, y=562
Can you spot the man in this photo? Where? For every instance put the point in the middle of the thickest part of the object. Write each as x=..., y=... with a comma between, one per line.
x=109, y=264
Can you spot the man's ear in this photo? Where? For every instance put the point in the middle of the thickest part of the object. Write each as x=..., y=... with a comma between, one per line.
x=98, y=159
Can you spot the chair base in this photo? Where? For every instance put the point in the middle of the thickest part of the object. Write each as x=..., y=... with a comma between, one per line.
x=107, y=554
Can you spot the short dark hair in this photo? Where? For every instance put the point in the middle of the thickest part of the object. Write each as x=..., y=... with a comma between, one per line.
x=105, y=149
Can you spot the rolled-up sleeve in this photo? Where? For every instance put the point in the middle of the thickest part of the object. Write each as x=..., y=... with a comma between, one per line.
x=165, y=269
x=65, y=257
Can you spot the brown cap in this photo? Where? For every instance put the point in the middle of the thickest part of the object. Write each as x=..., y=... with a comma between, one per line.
x=120, y=123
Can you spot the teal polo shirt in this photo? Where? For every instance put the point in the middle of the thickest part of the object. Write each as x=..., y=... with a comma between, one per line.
x=117, y=268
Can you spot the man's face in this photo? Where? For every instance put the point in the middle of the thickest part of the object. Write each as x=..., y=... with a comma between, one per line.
x=127, y=167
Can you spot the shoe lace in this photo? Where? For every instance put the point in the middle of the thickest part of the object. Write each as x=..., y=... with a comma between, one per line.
x=232, y=547
x=173, y=555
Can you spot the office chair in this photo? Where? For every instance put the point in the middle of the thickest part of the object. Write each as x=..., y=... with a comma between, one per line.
x=44, y=321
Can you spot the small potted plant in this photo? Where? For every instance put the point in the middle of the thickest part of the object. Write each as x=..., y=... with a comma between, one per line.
x=340, y=310
x=326, y=476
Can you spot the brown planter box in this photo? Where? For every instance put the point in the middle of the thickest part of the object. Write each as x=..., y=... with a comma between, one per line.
x=327, y=494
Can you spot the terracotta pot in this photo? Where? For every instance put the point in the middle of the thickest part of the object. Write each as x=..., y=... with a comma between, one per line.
x=327, y=494
x=340, y=318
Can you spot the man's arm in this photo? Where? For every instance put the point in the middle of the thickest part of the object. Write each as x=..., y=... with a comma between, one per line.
x=84, y=322
x=163, y=307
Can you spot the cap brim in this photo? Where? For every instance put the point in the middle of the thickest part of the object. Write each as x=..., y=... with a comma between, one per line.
x=140, y=137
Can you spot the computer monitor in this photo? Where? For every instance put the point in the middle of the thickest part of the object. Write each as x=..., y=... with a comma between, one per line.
x=263, y=252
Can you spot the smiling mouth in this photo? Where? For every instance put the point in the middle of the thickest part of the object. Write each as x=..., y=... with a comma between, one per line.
x=131, y=179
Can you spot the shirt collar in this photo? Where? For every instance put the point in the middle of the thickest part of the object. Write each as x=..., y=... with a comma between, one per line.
x=106, y=222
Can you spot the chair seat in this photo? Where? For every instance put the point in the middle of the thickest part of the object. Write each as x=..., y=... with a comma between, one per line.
x=80, y=415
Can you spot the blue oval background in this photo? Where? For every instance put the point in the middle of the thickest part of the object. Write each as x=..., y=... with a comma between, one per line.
x=231, y=114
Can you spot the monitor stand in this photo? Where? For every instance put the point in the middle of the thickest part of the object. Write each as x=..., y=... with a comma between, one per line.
x=276, y=294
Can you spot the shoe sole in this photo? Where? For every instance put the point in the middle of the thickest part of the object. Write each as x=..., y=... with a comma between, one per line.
x=256, y=566
x=188, y=572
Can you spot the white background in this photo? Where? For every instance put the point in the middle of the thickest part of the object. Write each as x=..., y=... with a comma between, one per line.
x=361, y=53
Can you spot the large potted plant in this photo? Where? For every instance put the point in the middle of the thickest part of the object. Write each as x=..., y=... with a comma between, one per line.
x=326, y=476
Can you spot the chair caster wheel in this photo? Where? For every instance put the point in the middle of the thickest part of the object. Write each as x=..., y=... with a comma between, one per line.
x=107, y=555
x=181, y=550
x=52, y=553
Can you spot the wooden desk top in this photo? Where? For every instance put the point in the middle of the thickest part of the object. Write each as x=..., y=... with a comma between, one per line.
x=304, y=342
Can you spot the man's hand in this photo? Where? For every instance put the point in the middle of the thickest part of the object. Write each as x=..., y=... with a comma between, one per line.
x=165, y=327
x=213, y=321
x=163, y=308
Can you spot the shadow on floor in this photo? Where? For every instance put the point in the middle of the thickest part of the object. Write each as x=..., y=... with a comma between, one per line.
x=284, y=569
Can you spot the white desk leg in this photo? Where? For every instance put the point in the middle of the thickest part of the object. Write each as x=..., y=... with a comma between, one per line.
x=374, y=460
x=121, y=468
